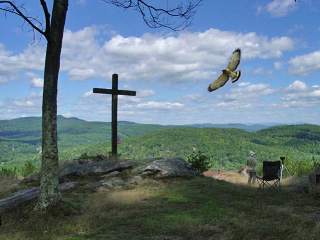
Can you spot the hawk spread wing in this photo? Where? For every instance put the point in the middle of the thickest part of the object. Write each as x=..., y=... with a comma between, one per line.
x=222, y=79
x=235, y=60
x=228, y=72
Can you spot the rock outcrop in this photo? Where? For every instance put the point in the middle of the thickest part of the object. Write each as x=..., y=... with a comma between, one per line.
x=115, y=183
x=166, y=167
x=244, y=171
x=135, y=180
x=155, y=168
x=94, y=168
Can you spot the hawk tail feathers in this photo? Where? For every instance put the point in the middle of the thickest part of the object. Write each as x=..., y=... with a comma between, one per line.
x=238, y=75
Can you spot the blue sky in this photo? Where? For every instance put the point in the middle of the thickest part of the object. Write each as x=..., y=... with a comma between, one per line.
x=280, y=82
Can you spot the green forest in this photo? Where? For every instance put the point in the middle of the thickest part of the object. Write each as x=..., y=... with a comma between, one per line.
x=227, y=148
x=20, y=139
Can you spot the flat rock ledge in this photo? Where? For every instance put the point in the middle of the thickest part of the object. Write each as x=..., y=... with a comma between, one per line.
x=94, y=168
x=157, y=168
x=166, y=167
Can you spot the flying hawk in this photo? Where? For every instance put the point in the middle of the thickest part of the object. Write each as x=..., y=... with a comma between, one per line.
x=228, y=72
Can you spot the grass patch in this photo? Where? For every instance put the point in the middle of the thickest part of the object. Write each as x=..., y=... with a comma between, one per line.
x=197, y=208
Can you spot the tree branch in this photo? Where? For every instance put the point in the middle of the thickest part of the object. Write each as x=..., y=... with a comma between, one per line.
x=47, y=16
x=14, y=9
x=158, y=17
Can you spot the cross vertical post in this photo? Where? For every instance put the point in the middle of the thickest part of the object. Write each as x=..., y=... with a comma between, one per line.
x=114, y=117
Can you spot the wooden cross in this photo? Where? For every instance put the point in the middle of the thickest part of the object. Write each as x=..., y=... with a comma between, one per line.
x=115, y=92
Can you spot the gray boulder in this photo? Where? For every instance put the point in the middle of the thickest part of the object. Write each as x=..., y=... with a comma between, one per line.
x=135, y=180
x=166, y=167
x=112, y=174
x=115, y=182
x=93, y=185
x=67, y=185
x=102, y=189
x=94, y=168
x=145, y=160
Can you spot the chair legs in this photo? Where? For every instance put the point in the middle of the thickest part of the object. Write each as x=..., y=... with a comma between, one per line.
x=273, y=185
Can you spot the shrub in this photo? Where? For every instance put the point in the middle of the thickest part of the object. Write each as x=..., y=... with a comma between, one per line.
x=304, y=167
x=299, y=168
x=6, y=172
x=199, y=161
x=84, y=156
x=28, y=169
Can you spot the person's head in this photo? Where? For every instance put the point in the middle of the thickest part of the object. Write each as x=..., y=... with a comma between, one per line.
x=252, y=153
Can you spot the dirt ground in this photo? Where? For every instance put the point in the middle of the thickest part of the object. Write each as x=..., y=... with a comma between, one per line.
x=226, y=175
x=242, y=179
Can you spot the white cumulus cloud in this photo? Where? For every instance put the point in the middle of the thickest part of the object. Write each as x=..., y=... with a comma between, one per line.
x=279, y=8
x=185, y=57
x=305, y=64
x=243, y=84
x=299, y=94
x=262, y=71
x=278, y=65
x=181, y=58
x=251, y=92
x=30, y=105
x=22, y=103
x=193, y=98
x=297, y=86
x=36, y=82
x=160, y=106
x=145, y=93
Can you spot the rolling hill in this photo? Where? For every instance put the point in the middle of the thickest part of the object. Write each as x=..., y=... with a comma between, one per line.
x=21, y=138
x=23, y=135
x=227, y=145
x=227, y=148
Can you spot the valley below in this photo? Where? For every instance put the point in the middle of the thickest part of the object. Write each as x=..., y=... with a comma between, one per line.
x=227, y=146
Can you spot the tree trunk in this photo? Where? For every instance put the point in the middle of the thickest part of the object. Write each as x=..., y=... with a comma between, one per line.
x=49, y=191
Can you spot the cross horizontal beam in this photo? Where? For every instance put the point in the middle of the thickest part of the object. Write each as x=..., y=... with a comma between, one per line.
x=115, y=92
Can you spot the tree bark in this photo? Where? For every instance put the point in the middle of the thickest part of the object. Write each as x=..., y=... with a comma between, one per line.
x=49, y=191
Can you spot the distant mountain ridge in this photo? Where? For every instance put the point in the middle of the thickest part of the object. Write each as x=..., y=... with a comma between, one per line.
x=34, y=124
x=249, y=128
